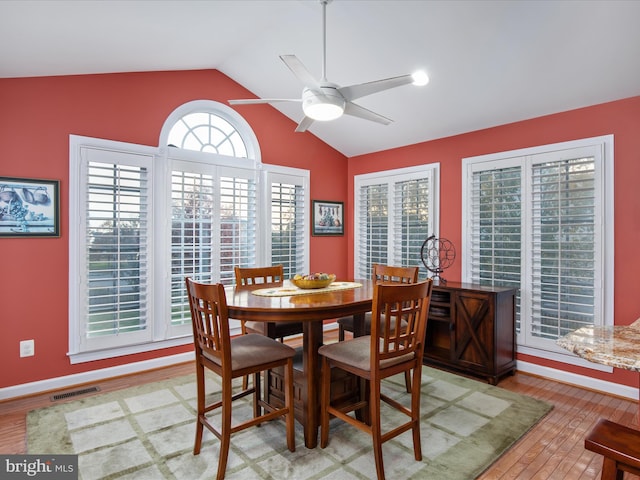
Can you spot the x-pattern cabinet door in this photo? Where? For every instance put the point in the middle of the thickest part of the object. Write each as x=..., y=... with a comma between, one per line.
x=473, y=333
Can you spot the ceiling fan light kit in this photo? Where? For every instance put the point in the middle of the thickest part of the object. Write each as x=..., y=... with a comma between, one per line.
x=420, y=78
x=324, y=106
x=324, y=101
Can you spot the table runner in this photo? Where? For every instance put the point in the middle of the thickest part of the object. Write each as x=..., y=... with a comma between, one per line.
x=290, y=289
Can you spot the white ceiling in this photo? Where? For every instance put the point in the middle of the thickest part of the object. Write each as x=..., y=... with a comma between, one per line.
x=490, y=62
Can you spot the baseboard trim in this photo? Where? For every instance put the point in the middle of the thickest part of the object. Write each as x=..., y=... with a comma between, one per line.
x=579, y=380
x=58, y=383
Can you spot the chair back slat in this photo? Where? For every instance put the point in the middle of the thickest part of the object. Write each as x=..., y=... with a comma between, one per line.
x=210, y=320
x=390, y=273
x=263, y=276
x=399, y=320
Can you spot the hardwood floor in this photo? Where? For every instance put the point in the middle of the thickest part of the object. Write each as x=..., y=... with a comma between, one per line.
x=553, y=449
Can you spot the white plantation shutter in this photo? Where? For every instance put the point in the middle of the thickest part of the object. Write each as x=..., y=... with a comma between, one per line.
x=115, y=226
x=238, y=225
x=565, y=250
x=411, y=220
x=213, y=228
x=495, y=217
x=395, y=212
x=192, y=237
x=536, y=220
x=372, y=239
x=288, y=222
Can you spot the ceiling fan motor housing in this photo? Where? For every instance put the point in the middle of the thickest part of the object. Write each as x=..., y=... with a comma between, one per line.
x=323, y=104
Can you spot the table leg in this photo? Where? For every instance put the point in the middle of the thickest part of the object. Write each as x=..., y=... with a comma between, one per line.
x=311, y=342
x=358, y=331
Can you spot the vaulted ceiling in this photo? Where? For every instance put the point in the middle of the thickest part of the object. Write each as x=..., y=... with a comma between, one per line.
x=490, y=62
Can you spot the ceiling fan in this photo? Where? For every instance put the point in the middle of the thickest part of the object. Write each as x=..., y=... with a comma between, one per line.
x=323, y=101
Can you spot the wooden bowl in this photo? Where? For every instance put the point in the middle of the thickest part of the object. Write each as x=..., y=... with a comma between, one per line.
x=310, y=284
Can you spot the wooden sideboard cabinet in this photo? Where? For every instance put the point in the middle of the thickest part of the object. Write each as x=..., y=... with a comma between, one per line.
x=471, y=329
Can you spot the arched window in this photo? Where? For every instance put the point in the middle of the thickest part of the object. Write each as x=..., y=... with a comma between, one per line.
x=207, y=132
x=210, y=127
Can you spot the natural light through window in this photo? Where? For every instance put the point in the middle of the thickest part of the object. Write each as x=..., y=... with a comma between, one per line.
x=150, y=216
x=206, y=132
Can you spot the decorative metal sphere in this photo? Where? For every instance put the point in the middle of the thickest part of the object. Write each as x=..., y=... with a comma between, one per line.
x=437, y=255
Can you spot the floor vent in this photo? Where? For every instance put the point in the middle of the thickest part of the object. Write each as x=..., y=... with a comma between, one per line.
x=74, y=393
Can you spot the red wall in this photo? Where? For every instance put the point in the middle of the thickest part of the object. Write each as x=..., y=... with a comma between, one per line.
x=37, y=115
x=620, y=118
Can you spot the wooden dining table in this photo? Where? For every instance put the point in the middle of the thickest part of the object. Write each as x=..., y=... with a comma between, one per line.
x=311, y=308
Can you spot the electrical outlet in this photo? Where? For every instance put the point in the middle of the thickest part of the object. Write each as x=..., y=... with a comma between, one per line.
x=27, y=348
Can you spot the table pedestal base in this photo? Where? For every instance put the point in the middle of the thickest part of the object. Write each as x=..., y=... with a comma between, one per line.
x=344, y=389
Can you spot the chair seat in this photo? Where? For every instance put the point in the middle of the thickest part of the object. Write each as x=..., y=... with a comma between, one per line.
x=357, y=353
x=346, y=323
x=274, y=329
x=253, y=349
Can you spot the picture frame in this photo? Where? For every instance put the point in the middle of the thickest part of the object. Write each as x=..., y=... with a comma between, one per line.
x=328, y=218
x=29, y=207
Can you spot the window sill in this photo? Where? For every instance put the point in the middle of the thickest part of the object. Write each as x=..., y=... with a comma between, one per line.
x=82, y=357
x=568, y=358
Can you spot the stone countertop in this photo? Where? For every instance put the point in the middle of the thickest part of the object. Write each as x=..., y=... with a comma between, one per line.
x=616, y=346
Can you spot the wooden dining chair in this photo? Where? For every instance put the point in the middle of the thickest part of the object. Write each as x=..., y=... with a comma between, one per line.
x=264, y=277
x=232, y=358
x=381, y=273
x=385, y=352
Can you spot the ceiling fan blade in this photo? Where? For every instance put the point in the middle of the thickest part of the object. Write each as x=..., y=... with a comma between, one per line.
x=353, y=92
x=361, y=112
x=252, y=101
x=300, y=71
x=304, y=124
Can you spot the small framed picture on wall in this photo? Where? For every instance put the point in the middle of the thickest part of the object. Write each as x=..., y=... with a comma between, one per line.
x=328, y=218
x=29, y=207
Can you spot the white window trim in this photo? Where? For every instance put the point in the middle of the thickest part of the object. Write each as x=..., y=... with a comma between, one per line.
x=223, y=111
x=606, y=143
x=391, y=177
x=279, y=174
x=76, y=198
x=160, y=159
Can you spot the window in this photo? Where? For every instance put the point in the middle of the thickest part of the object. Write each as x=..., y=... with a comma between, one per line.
x=395, y=212
x=149, y=217
x=288, y=220
x=207, y=132
x=213, y=228
x=541, y=219
x=192, y=236
x=114, y=231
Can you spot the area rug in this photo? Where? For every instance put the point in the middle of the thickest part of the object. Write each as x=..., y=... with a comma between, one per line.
x=147, y=432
